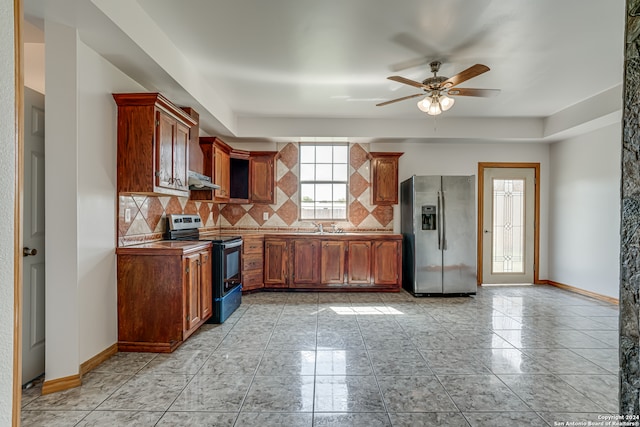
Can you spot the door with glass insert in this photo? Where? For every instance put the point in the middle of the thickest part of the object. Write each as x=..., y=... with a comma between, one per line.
x=508, y=225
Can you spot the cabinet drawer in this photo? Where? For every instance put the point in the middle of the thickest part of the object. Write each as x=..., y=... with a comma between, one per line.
x=252, y=246
x=252, y=262
x=251, y=278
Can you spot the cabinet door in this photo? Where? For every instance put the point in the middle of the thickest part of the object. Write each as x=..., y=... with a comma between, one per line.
x=384, y=178
x=261, y=173
x=192, y=293
x=165, y=132
x=181, y=157
x=221, y=173
x=332, y=262
x=305, y=262
x=275, y=263
x=206, y=299
x=385, y=262
x=359, y=263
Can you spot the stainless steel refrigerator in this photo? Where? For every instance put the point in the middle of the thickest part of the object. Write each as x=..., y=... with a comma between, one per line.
x=438, y=225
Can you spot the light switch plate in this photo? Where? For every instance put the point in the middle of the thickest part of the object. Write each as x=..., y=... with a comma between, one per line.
x=127, y=215
x=265, y=215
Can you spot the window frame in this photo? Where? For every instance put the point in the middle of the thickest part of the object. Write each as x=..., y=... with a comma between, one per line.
x=329, y=182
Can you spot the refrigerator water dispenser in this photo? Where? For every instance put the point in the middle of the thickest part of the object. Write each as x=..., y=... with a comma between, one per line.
x=429, y=217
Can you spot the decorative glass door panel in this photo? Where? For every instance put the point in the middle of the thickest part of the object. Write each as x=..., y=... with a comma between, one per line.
x=507, y=251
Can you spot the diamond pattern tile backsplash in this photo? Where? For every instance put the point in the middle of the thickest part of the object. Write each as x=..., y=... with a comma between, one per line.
x=148, y=212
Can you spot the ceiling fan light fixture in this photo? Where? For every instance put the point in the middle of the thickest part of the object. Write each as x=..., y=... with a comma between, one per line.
x=446, y=102
x=424, y=104
x=434, y=107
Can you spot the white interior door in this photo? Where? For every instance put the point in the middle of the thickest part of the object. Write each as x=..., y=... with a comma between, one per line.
x=508, y=240
x=33, y=340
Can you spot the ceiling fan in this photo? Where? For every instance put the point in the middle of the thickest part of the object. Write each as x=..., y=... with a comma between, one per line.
x=438, y=88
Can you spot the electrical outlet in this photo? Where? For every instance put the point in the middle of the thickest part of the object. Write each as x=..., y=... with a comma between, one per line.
x=265, y=215
x=127, y=215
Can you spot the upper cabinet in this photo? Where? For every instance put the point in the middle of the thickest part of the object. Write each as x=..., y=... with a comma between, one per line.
x=262, y=176
x=216, y=165
x=243, y=176
x=384, y=178
x=153, y=145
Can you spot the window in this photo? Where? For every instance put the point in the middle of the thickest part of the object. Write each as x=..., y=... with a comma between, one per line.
x=324, y=171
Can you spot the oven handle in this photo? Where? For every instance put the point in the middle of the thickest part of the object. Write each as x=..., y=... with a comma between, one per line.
x=233, y=281
x=232, y=244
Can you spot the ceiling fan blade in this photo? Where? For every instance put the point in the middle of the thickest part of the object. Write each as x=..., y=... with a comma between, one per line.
x=485, y=93
x=399, y=99
x=410, y=63
x=408, y=82
x=465, y=75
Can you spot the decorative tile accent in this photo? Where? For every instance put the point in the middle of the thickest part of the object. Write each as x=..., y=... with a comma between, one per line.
x=232, y=213
x=288, y=212
x=256, y=212
x=288, y=184
x=357, y=213
x=173, y=207
x=190, y=208
x=154, y=212
x=384, y=214
x=357, y=184
x=215, y=213
x=357, y=156
x=289, y=155
x=204, y=211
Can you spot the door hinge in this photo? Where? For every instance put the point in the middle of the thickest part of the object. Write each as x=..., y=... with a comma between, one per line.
x=157, y=122
x=187, y=317
x=187, y=269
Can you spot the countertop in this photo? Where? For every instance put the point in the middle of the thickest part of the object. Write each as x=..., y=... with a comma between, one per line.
x=164, y=247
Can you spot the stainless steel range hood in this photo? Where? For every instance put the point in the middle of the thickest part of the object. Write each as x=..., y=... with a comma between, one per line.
x=198, y=181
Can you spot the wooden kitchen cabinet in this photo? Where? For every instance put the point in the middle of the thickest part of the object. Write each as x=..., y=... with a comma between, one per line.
x=216, y=159
x=384, y=178
x=359, y=263
x=252, y=262
x=262, y=176
x=164, y=294
x=276, y=257
x=153, y=145
x=304, y=262
x=332, y=256
x=333, y=262
x=386, y=264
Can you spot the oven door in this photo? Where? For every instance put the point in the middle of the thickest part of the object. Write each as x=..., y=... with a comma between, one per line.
x=231, y=265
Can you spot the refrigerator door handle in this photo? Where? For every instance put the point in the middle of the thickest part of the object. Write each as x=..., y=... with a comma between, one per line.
x=443, y=226
x=439, y=219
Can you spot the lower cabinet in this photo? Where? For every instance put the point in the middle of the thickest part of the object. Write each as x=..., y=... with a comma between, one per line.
x=252, y=262
x=333, y=262
x=304, y=266
x=276, y=271
x=164, y=294
x=386, y=269
x=359, y=263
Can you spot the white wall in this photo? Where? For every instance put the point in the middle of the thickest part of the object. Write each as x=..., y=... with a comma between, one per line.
x=81, y=316
x=97, y=198
x=462, y=158
x=61, y=215
x=584, y=211
x=7, y=203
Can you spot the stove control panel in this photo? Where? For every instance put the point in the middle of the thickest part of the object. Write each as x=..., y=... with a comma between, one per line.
x=184, y=222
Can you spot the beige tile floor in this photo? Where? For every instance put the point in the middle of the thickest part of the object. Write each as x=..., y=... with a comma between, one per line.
x=509, y=356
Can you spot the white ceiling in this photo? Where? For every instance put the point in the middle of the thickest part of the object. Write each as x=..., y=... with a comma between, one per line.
x=293, y=68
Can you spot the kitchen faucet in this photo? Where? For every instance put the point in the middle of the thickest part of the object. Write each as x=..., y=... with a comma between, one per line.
x=319, y=226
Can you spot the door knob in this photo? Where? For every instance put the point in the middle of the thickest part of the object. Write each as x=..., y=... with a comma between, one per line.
x=26, y=251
